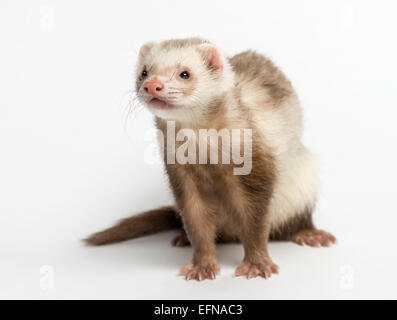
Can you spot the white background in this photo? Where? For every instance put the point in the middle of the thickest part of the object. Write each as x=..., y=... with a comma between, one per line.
x=71, y=163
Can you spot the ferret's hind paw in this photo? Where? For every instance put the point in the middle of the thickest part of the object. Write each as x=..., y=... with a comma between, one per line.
x=253, y=270
x=180, y=240
x=199, y=273
x=314, y=238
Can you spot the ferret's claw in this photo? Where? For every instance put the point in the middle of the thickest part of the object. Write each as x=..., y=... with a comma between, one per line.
x=199, y=273
x=253, y=270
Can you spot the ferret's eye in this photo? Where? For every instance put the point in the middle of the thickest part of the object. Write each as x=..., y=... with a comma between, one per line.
x=144, y=74
x=185, y=75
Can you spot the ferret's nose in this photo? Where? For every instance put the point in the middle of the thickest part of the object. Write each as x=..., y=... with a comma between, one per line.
x=154, y=87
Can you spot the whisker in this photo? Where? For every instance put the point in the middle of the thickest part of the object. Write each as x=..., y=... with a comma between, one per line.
x=175, y=88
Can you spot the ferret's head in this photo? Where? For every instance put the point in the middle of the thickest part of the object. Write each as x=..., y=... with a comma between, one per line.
x=179, y=79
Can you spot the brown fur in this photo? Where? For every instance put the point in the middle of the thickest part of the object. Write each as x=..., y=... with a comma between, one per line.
x=146, y=223
x=303, y=221
x=215, y=204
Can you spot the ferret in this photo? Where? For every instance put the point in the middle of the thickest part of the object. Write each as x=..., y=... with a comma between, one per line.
x=192, y=83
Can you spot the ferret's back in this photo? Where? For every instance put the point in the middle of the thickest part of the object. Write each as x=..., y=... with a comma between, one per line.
x=250, y=66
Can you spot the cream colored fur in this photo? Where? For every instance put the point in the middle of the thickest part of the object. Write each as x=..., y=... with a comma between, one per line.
x=280, y=122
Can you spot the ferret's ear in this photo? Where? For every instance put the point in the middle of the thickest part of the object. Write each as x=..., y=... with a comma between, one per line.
x=145, y=50
x=212, y=56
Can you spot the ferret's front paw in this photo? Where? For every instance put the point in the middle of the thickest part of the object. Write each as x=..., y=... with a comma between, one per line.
x=200, y=272
x=262, y=269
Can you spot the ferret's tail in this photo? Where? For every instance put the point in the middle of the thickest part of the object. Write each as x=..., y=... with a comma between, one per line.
x=143, y=224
